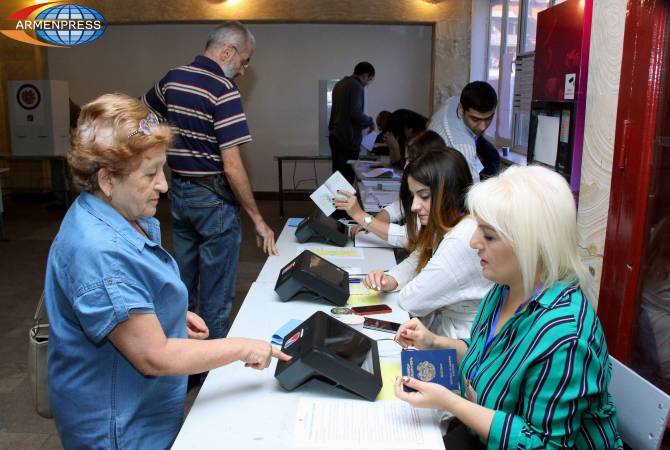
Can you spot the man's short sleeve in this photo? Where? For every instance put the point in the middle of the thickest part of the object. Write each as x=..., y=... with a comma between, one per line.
x=103, y=305
x=230, y=121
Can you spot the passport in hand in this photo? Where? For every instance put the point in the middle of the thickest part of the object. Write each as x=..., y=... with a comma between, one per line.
x=434, y=366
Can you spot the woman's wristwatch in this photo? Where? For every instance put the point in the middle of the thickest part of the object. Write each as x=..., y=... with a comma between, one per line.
x=367, y=220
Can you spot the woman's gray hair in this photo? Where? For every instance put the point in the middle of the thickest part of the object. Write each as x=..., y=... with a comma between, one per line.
x=233, y=33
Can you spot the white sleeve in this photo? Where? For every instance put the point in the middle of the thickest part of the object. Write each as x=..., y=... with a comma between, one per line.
x=394, y=211
x=406, y=270
x=446, y=279
x=470, y=154
x=438, y=125
x=397, y=235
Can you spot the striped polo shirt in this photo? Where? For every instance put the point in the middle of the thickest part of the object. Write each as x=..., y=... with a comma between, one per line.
x=545, y=374
x=204, y=110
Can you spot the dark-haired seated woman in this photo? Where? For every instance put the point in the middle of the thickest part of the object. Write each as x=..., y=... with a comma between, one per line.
x=440, y=281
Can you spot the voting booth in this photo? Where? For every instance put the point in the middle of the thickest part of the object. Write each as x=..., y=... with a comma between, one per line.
x=39, y=117
x=311, y=277
x=326, y=349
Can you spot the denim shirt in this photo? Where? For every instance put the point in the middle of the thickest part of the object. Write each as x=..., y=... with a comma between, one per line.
x=100, y=270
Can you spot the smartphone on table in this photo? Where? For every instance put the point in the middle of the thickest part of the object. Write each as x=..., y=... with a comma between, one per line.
x=381, y=325
x=371, y=309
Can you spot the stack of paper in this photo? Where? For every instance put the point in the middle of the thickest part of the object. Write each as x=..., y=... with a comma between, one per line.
x=346, y=424
x=379, y=172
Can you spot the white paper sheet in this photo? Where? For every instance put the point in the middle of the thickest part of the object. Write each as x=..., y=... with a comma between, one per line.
x=379, y=172
x=369, y=139
x=324, y=195
x=546, y=139
x=382, y=198
x=348, y=424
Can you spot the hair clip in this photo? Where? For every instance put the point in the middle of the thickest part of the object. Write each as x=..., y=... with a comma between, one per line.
x=146, y=125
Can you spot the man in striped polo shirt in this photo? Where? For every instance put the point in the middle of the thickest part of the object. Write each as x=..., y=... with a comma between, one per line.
x=209, y=181
x=462, y=121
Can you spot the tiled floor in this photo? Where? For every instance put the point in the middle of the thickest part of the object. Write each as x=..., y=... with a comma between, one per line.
x=30, y=227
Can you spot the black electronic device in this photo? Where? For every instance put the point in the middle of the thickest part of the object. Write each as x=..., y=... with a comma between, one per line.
x=324, y=348
x=381, y=325
x=312, y=277
x=321, y=228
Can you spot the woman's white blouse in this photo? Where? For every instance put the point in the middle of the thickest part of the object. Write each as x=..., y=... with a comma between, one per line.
x=445, y=295
x=397, y=234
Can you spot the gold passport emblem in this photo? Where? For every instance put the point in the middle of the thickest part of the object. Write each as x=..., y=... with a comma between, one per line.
x=425, y=371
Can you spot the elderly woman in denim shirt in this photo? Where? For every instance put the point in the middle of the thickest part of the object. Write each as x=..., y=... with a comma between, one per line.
x=122, y=340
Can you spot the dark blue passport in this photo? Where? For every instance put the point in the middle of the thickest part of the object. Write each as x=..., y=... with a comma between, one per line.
x=434, y=366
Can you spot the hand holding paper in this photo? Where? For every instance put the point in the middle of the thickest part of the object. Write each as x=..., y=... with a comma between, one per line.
x=324, y=196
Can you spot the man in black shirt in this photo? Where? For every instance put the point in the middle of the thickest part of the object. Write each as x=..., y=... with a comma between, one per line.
x=347, y=119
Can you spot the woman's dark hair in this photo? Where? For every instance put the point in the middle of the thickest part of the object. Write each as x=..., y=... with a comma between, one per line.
x=424, y=142
x=447, y=175
x=401, y=119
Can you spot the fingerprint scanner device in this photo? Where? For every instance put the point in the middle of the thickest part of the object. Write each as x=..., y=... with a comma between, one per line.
x=326, y=349
x=311, y=277
x=318, y=227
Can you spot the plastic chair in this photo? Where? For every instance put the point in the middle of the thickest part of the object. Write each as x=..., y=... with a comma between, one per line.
x=642, y=408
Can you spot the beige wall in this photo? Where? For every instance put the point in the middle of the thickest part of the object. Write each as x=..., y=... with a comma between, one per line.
x=601, y=110
x=450, y=50
x=280, y=87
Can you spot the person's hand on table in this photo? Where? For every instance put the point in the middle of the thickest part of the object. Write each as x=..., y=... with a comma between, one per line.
x=427, y=395
x=265, y=238
x=379, y=280
x=413, y=333
x=349, y=203
x=195, y=326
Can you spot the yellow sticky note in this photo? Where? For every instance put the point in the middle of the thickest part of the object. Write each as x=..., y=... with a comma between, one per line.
x=364, y=300
x=389, y=372
x=339, y=253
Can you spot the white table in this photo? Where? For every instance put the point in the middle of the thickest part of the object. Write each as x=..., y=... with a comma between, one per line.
x=374, y=258
x=241, y=408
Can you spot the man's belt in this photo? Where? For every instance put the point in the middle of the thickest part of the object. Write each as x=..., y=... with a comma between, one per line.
x=218, y=184
x=195, y=178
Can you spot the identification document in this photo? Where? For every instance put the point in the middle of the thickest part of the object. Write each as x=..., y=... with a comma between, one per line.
x=434, y=366
x=327, y=192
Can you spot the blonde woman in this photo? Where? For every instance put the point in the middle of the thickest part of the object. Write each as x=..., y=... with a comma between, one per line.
x=534, y=372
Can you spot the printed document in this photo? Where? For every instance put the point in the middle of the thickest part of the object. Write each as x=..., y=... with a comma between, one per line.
x=349, y=424
x=324, y=195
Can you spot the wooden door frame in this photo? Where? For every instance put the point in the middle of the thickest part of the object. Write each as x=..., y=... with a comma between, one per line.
x=640, y=93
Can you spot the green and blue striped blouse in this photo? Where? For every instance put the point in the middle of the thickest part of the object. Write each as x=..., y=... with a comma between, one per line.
x=545, y=374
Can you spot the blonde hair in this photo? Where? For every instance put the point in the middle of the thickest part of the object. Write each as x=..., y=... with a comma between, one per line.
x=101, y=139
x=533, y=210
